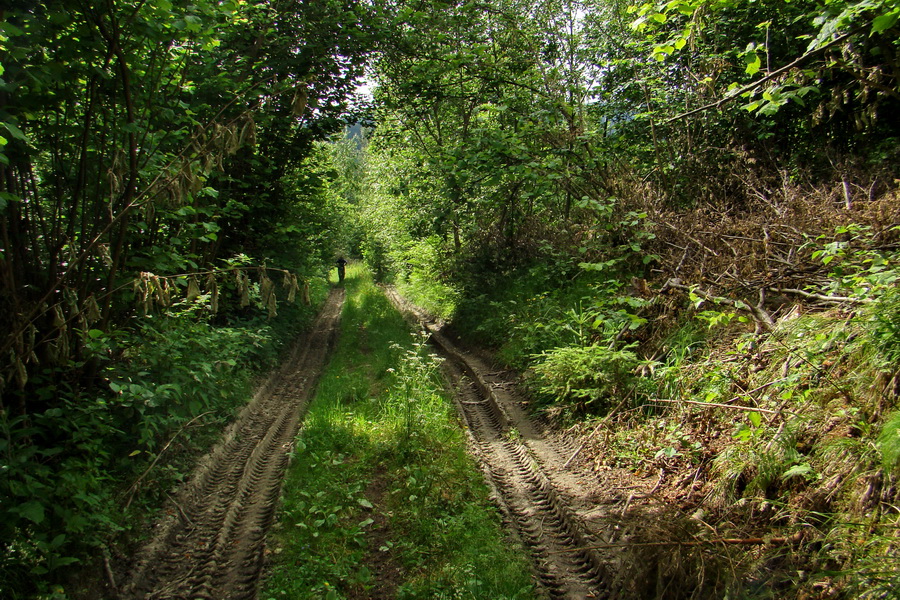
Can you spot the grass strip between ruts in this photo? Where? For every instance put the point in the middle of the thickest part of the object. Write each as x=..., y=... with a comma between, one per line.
x=381, y=499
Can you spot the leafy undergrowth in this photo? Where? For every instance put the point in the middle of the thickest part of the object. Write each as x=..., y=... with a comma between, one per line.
x=781, y=440
x=382, y=500
x=524, y=313
x=789, y=436
x=80, y=482
x=421, y=281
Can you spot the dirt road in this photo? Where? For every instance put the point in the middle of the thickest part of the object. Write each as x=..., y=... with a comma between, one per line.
x=212, y=543
x=544, y=499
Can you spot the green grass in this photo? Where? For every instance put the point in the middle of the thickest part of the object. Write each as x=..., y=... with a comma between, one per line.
x=523, y=314
x=381, y=479
x=437, y=298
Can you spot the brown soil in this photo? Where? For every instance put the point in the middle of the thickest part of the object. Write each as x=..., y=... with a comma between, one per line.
x=211, y=543
x=387, y=571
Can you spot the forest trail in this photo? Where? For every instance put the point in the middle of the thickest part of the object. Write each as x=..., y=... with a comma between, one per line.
x=550, y=505
x=211, y=543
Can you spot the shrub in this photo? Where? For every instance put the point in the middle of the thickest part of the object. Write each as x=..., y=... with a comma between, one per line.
x=586, y=376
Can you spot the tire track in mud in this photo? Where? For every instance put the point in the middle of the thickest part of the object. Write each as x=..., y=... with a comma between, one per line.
x=211, y=545
x=526, y=472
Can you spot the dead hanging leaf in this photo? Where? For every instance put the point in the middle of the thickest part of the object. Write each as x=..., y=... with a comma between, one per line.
x=137, y=287
x=103, y=251
x=217, y=137
x=298, y=104
x=213, y=286
x=61, y=347
x=32, y=336
x=186, y=182
x=21, y=372
x=174, y=194
x=306, y=299
x=58, y=351
x=243, y=287
x=59, y=319
x=209, y=161
x=156, y=286
x=193, y=289
x=115, y=182
x=267, y=292
x=232, y=141
x=51, y=350
x=290, y=282
x=266, y=286
x=248, y=133
x=163, y=291
x=83, y=326
x=91, y=310
x=143, y=290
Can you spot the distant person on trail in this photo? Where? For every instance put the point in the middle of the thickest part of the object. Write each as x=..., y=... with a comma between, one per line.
x=341, y=264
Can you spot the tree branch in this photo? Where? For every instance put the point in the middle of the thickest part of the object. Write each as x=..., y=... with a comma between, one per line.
x=752, y=86
x=822, y=297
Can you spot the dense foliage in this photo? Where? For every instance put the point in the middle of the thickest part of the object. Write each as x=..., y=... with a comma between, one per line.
x=656, y=205
x=162, y=189
x=597, y=187
x=521, y=129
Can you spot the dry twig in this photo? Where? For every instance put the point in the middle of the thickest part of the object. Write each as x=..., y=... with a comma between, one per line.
x=134, y=486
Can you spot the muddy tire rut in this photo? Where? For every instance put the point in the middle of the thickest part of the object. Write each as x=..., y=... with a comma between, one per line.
x=211, y=544
x=542, y=500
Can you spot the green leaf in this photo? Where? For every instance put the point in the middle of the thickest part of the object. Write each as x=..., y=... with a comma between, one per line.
x=365, y=503
x=6, y=197
x=754, y=63
x=769, y=109
x=15, y=132
x=755, y=419
x=751, y=106
x=33, y=511
x=742, y=433
x=885, y=21
x=798, y=471
x=10, y=29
